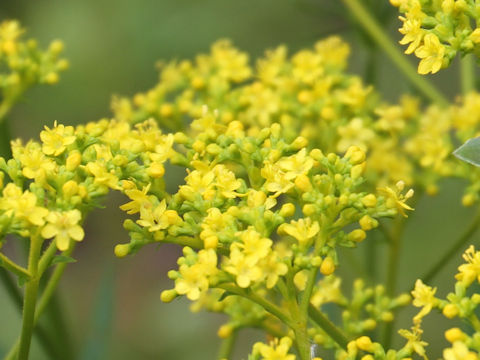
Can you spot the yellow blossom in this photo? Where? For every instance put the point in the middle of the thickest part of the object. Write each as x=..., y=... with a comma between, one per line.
x=158, y=217
x=414, y=342
x=140, y=200
x=23, y=205
x=459, y=351
x=395, y=199
x=276, y=350
x=303, y=229
x=470, y=271
x=56, y=140
x=424, y=297
x=432, y=53
x=63, y=226
x=195, y=278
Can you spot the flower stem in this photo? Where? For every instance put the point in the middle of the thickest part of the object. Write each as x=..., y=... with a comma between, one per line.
x=467, y=74
x=47, y=293
x=227, y=345
x=457, y=245
x=267, y=305
x=30, y=298
x=13, y=267
x=327, y=326
x=378, y=35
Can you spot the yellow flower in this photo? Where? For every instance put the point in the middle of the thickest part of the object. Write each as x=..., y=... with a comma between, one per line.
x=273, y=268
x=23, y=205
x=414, y=342
x=198, y=182
x=459, y=351
x=226, y=182
x=471, y=270
x=63, y=226
x=276, y=180
x=212, y=225
x=303, y=230
x=194, y=279
x=140, y=200
x=102, y=175
x=241, y=266
x=423, y=296
x=56, y=140
x=35, y=164
x=394, y=198
x=276, y=350
x=295, y=165
x=432, y=53
x=158, y=218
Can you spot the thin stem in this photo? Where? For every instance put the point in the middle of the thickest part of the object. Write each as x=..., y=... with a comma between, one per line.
x=18, y=270
x=267, y=305
x=52, y=284
x=335, y=333
x=467, y=74
x=457, y=245
x=307, y=293
x=47, y=257
x=378, y=35
x=30, y=298
x=46, y=295
x=226, y=346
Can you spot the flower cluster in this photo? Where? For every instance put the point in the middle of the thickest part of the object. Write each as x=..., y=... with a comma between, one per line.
x=310, y=94
x=23, y=64
x=275, y=181
x=437, y=30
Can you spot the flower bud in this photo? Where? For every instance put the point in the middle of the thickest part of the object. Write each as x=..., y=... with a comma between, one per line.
x=369, y=200
x=225, y=331
x=168, y=295
x=368, y=223
x=357, y=235
x=156, y=170
x=70, y=188
x=122, y=250
x=364, y=343
x=73, y=160
x=309, y=209
x=302, y=182
x=450, y=311
x=328, y=266
x=454, y=334
x=287, y=210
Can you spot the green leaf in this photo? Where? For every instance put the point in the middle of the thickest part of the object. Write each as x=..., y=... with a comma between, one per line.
x=62, y=259
x=469, y=152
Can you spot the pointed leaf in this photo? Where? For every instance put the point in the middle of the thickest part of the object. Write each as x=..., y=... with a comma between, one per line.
x=62, y=259
x=469, y=152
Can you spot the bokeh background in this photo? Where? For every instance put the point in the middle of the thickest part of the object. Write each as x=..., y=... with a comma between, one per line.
x=111, y=307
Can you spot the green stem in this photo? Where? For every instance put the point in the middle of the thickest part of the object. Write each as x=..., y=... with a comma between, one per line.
x=52, y=284
x=327, y=326
x=457, y=245
x=47, y=292
x=267, y=305
x=467, y=74
x=378, y=35
x=47, y=257
x=30, y=298
x=13, y=267
x=392, y=272
x=307, y=293
x=302, y=341
x=226, y=347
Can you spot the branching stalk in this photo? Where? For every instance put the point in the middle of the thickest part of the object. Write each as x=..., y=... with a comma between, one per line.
x=378, y=35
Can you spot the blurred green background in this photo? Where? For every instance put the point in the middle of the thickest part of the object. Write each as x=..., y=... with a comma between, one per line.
x=110, y=306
